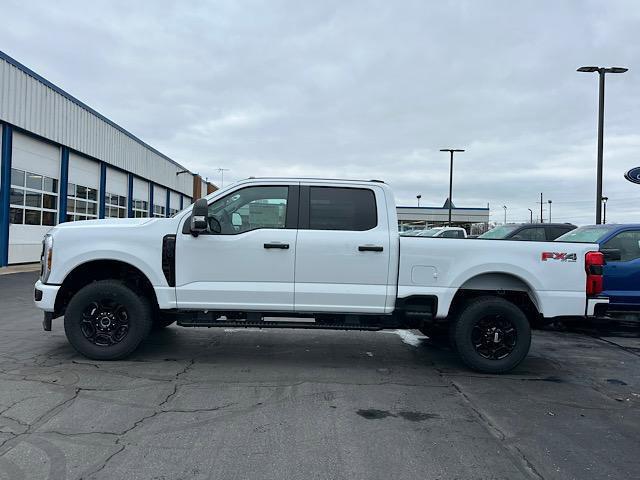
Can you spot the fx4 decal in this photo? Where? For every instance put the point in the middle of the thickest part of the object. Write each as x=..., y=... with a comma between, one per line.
x=560, y=256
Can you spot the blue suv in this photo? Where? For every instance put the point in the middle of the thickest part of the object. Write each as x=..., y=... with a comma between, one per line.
x=620, y=245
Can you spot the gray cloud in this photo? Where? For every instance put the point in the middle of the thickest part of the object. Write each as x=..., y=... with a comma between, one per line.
x=361, y=89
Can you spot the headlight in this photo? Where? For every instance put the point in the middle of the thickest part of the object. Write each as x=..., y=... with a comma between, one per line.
x=46, y=260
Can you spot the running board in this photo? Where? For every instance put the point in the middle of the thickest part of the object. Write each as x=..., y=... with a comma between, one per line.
x=270, y=324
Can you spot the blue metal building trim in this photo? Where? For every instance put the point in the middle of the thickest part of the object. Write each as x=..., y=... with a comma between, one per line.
x=168, y=202
x=5, y=187
x=64, y=185
x=130, y=196
x=103, y=188
x=151, y=199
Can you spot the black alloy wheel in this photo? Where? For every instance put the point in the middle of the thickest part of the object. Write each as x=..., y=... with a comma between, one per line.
x=107, y=320
x=491, y=334
x=494, y=337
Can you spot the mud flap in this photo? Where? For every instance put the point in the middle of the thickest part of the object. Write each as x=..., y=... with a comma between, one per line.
x=46, y=321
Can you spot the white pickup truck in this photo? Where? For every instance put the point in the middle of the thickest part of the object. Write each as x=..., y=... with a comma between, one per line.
x=307, y=253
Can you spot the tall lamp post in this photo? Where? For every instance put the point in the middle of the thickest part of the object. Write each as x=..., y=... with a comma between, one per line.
x=451, y=151
x=601, y=72
x=549, y=210
x=604, y=205
x=505, y=214
x=222, y=170
x=530, y=215
x=418, y=197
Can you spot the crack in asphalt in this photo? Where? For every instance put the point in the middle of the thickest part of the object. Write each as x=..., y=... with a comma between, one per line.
x=524, y=464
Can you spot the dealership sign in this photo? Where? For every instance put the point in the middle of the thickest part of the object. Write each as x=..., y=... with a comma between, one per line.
x=633, y=175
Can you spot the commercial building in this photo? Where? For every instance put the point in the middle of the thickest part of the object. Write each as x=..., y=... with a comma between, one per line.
x=473, y=220
x=62, y=161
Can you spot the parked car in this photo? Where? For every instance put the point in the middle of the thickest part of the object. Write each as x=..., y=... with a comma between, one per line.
x=324, y=250
x=620, y=245
x=443, y=232
x=537, y=232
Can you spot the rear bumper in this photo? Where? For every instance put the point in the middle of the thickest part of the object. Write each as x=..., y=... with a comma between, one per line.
x=45, y=296
x=596, y=306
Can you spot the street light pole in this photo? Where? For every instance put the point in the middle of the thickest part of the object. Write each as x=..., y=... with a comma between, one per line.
x=601, y=72
x=530, y=215
x=541, y=217
x=604, y=204
x=549, y=210
x=451, y=150
x=222, y=170
x=505, y=214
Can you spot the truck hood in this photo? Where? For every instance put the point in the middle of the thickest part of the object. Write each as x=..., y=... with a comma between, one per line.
x=105, y=223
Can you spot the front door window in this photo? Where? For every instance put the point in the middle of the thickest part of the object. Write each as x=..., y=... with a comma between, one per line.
x=251, y=208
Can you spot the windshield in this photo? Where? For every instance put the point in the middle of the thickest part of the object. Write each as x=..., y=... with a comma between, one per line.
x=584, y=234
x=499, y=232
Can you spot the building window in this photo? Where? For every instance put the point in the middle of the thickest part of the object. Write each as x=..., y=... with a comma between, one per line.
x=115, y=206
x=33, y=199
x=140, y=208
x=172, y=211
x=82, y=203
x=159, y=211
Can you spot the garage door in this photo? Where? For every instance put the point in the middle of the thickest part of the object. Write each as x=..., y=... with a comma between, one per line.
x=82, y=193
x=34, y=196
x=140, y=198
x=115, y=197
x=174, y=203
x=159, y=201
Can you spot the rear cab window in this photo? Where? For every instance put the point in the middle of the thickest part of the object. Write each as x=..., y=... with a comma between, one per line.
x=342, y=208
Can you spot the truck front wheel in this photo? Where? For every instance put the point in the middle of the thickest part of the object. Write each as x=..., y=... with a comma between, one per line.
x=106, y=320
x=492, y=335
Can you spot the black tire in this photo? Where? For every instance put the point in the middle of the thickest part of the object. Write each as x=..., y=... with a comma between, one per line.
x=129, y=319
x=492, y=335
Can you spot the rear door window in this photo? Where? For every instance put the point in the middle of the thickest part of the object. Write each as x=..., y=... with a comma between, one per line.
x=332, y=208
x=555, y=232
x=535, y=234
x=628, y=243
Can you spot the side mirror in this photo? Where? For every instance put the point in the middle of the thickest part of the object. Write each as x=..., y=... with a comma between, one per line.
x=199, y=213
x=612, y=254
x=214, y=225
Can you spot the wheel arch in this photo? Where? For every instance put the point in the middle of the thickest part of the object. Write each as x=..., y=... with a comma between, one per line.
x=103, y=269
x=501, y=284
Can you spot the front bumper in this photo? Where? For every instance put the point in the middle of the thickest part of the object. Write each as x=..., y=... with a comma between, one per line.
x=597, y=306
x=45, y=296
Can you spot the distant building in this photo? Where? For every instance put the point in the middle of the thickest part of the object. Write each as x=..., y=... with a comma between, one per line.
x=62, y=161
x=473, y=220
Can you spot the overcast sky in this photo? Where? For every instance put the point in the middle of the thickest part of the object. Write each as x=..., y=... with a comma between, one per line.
x=362, y=90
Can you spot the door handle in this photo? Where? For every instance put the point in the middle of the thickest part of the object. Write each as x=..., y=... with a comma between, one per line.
x=370, y=248
x=281, y=246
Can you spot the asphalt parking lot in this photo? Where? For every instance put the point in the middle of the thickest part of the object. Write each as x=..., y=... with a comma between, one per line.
x=286, y=404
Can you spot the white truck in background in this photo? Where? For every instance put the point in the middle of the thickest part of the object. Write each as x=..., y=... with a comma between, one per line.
x=326, y=250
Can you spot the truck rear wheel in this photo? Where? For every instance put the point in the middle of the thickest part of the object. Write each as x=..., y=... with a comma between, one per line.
x=492, y=335
x=106, y=320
